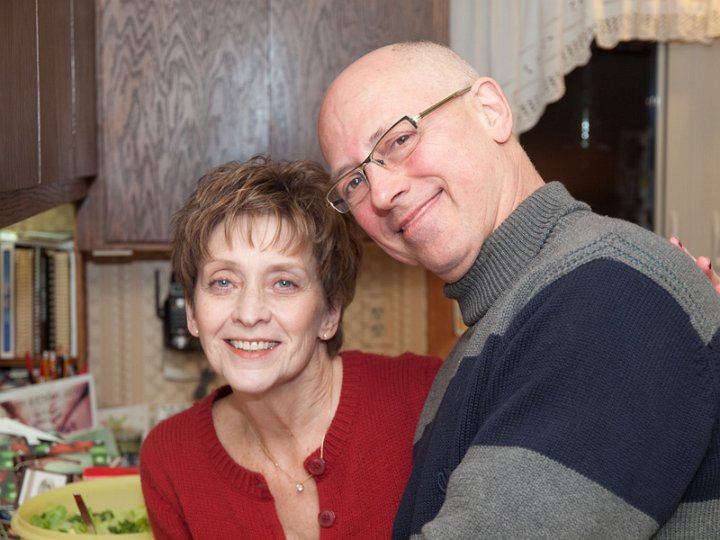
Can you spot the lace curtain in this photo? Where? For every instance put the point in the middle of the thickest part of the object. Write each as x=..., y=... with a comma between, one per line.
x=529, y=46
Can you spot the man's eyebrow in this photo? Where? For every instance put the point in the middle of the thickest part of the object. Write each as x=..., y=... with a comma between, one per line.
x=373, y=140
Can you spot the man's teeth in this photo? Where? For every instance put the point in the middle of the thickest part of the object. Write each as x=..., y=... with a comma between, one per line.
x=253, y=345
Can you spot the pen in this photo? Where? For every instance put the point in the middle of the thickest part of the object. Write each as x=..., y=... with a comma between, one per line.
x=29, y=367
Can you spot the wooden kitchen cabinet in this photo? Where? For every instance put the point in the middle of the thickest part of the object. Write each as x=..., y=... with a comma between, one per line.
x=48, y=149
x=185, y=86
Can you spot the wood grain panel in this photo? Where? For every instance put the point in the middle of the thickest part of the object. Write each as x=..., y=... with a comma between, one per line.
x=18, y=96
x=56, y=103
x=183, y=87
x=441, y=21
x=312, y=42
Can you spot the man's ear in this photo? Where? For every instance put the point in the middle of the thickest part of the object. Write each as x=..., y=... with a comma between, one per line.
x=494, y=110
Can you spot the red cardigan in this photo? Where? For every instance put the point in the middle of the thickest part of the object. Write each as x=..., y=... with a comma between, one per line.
x=194, y=489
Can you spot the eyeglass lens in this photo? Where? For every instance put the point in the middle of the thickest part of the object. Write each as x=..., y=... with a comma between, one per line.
x=390, y=151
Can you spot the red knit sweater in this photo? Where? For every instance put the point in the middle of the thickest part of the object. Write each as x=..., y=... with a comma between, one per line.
x=194, y=489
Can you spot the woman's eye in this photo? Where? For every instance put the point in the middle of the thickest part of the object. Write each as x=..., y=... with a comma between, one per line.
x=220, y=283
x=285, y=284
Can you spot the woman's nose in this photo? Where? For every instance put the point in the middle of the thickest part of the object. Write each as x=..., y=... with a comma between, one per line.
x=251, y=307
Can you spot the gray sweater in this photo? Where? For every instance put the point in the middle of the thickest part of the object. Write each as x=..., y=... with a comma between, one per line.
x=584, y=400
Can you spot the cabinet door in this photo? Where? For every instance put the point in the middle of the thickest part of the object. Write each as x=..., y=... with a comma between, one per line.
x=182, y=87
x=19, y=167
x=185, y=86
x=313, y=41
x=56, y=90
x=47, y=104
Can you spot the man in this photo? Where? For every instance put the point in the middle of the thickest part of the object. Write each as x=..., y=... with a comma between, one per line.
x=584, y=400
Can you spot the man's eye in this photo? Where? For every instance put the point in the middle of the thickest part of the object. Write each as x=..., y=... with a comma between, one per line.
x=354, y=182
x=395, y=147
x=402, y=139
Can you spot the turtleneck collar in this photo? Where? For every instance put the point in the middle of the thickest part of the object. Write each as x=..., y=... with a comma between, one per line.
x=510, y=248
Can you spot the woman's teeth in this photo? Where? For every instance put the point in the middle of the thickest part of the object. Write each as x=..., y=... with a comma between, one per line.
x=253, y=345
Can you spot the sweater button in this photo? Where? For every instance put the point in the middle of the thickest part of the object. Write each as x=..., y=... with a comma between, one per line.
x=326, y=518
x=316, y=466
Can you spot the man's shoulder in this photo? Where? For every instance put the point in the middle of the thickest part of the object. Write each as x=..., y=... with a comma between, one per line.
x=593, y=240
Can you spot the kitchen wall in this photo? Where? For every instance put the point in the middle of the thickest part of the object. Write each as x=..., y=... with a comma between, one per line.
x=125, y=344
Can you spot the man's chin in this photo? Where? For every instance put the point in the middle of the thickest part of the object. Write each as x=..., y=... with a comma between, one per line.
x=398, y=255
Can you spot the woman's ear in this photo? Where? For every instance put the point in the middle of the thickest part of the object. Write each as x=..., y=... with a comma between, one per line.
x=493, y=108
x=329, y=326
x=190, y=318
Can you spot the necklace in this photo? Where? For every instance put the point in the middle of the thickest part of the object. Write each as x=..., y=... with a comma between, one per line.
x=320, y=467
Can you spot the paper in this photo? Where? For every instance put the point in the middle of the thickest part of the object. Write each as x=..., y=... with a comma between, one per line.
x=9, y=426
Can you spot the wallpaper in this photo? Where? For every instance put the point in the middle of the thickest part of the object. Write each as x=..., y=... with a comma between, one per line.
x=125, y=345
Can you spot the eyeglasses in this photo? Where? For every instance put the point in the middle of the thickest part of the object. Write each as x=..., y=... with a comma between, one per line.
x=393, y=148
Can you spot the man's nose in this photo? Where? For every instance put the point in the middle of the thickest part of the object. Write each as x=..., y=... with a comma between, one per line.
x=386, y=185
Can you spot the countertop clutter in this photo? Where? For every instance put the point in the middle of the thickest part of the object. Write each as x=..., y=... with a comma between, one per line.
x=52, y=436
x=112, y=506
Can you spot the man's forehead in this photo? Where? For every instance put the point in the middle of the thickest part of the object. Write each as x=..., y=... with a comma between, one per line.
x=357, y=120
x=349, y=124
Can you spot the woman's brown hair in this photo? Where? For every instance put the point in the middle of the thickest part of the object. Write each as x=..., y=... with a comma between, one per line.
x=291, y=191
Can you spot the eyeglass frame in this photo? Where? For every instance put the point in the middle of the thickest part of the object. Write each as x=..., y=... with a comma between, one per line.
x=369, y=159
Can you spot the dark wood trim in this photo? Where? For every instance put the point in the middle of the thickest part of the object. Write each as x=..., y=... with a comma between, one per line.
x=23, y=203
x=85, y=96
x=441, y=332
x=80, y=302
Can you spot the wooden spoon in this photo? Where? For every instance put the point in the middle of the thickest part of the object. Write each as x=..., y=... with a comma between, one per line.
x=84, y=513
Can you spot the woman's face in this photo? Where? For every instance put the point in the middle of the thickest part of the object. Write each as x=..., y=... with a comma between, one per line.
x=259, y=310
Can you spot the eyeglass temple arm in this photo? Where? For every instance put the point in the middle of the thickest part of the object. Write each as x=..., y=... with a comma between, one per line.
x=427, y=111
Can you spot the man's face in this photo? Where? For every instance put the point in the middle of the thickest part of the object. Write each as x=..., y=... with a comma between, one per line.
x=439, y=206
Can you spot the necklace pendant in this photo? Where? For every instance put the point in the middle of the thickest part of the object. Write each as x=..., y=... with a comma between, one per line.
x=299, y=487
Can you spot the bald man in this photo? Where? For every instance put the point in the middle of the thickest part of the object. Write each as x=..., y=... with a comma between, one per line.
x=584, y=400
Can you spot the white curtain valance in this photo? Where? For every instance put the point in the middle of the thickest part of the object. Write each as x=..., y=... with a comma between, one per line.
x=529, y=46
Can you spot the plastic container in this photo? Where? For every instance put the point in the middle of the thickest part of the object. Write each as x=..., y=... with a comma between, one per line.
x=118, y=493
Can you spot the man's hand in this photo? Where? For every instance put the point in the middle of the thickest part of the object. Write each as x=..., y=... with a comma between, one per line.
x=704, y=264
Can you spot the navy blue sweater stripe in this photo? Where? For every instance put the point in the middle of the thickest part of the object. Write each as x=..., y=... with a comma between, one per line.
x=598, y=404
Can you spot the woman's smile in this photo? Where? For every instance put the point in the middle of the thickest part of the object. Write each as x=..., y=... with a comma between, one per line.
x=253, y=345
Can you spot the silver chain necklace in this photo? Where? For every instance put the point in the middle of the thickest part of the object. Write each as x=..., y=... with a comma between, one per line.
x=299, y=484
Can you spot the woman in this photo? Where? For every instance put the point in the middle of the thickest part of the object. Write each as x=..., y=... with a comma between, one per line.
x=303, y=442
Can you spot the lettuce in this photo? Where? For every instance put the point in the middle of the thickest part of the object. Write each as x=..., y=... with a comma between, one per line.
x=57, y=518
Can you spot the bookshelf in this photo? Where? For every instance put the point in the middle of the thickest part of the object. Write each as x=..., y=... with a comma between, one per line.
x=41, y=292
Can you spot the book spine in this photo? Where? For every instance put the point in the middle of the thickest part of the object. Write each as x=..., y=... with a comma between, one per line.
x=23, y=301
x=61, y=302
x=38, y=302
x=7, y=301
x=50, y=341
